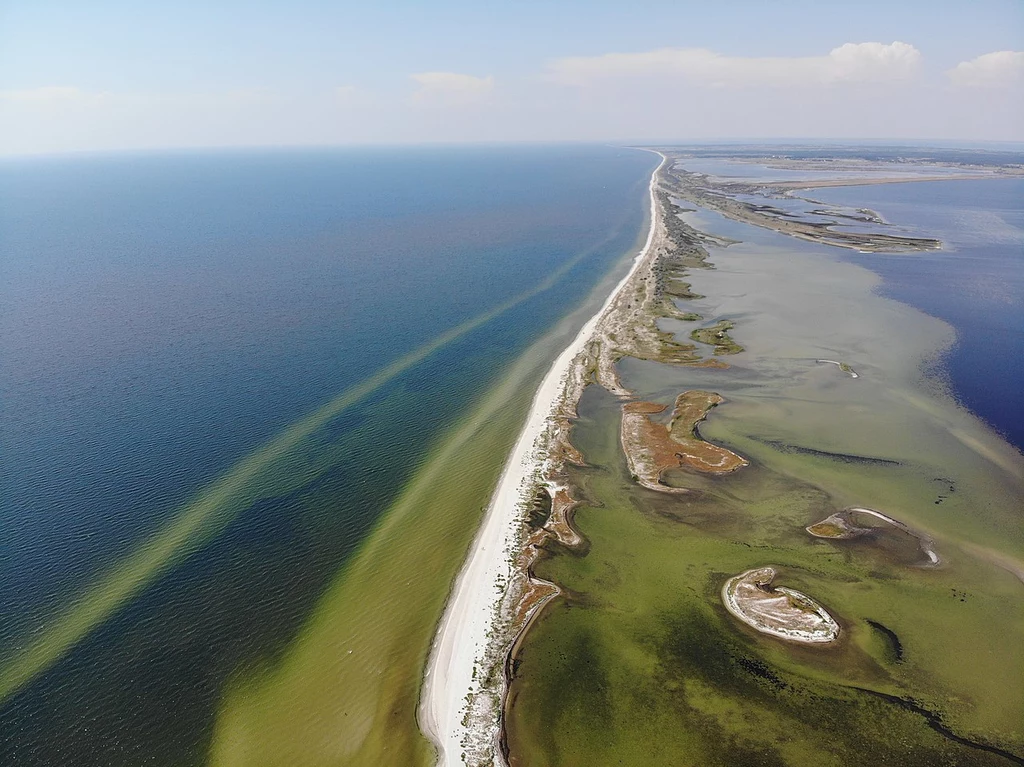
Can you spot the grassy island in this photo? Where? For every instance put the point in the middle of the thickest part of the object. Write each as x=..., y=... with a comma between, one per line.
x=718, y=336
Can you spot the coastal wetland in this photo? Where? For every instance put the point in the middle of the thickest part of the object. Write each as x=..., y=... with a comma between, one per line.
x=639, y=662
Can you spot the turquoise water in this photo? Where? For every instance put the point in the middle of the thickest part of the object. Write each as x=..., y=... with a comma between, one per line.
x=165, y=316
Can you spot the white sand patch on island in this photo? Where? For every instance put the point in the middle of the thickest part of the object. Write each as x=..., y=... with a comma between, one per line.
x=479, y=603
x=779, y=611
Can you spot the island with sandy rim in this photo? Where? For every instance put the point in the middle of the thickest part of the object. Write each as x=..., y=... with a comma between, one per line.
x=778, y=611
x=845, y=525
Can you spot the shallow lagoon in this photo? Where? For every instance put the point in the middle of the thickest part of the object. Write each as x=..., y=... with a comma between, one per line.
x=639, y=661
x=975, y=283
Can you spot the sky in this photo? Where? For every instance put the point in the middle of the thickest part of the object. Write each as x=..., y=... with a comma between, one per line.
x=103, y=76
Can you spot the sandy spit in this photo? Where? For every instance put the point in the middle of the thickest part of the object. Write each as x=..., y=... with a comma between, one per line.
x=464, y=631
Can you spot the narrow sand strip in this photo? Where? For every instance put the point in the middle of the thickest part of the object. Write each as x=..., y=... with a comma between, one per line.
x=463, y=633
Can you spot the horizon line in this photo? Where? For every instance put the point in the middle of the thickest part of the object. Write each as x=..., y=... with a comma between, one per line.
x=946, y=143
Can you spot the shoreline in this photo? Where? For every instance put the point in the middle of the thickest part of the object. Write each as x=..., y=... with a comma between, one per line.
x=723, y=196
x=464, y=699
x=544, y=711
x=479, y=594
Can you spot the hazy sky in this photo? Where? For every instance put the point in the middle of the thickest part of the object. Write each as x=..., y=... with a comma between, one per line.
x=106, y=75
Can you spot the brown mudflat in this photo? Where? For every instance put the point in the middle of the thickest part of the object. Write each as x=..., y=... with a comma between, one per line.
x=651, y=448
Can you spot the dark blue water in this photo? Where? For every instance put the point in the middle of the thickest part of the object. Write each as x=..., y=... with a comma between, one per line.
x=976, y=283
x=162, y=316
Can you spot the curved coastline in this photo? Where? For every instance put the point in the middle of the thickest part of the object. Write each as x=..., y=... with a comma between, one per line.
x=479, y=593
x=563, y=696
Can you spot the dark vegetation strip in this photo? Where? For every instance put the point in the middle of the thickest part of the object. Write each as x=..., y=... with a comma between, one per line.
x=785, y=447
x=889, y=634
x=934, y=720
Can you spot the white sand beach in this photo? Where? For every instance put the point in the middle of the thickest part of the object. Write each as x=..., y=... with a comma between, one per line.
x=464, y=632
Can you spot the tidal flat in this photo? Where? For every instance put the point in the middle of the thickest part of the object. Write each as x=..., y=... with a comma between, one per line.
x=639, y=662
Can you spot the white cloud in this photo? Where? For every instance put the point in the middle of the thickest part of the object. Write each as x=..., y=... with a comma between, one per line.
x=48, y=95
x=451, y=88
x=852, y=62
x=992, y=70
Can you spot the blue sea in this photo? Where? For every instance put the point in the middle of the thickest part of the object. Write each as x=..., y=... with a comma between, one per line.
x=975, y=283
x=163, y=316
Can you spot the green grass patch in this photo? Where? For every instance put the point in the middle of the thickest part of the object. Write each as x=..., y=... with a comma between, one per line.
x=718, y=336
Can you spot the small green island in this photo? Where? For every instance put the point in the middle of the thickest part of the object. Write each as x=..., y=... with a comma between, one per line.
x=718, y=336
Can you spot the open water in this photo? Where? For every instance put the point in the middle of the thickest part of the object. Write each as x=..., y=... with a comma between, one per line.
x=166, y=316
x=975, y=283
